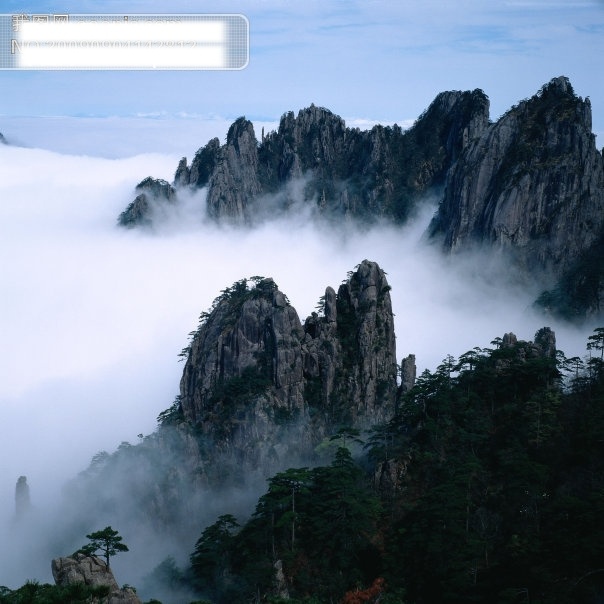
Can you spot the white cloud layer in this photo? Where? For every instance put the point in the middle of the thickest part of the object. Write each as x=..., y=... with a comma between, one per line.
x=93, y=317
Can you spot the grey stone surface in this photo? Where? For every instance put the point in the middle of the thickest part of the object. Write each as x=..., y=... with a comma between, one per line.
x=91, y=571
x=531, y=185
x=337, y=369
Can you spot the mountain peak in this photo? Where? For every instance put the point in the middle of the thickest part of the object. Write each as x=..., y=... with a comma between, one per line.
x=239, y=129
x=532, y=184
x=254, y=372
x=559, y=84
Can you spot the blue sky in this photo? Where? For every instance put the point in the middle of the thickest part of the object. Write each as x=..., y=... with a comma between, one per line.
x=376, y=59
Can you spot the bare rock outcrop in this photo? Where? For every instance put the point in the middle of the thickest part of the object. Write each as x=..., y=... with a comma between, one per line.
x=532, y=184
x=22, y=501
x=408, y=373
x=254, y=374
x=153, y=193
x=383, y=172
x=92, y=572
x=242, y=384
x=351, y=354
x=234, y=180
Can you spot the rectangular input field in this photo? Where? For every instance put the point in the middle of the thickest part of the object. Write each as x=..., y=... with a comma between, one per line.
x=129, y=57
x=123, y=31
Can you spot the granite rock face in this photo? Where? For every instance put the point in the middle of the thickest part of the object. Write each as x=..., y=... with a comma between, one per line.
x=153, y=193
x=93, y=572
x=352, y=350
x=531, y=185
x=314, y=159
x=242, y=382
x=234, y=179
x=408, y=373
x=254, y=373
x=260, y=391
x=544, y=345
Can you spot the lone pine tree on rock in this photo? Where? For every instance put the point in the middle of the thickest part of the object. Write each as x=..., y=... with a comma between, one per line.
x=107, y=540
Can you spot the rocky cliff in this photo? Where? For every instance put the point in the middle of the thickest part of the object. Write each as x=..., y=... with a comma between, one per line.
x=383, y=172
x=92, y=572
x=264, y=387
x=532, y=185
x=260, y=391
x=153, y=194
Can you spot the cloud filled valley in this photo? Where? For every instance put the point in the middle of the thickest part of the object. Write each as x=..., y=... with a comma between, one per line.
x=94, y=317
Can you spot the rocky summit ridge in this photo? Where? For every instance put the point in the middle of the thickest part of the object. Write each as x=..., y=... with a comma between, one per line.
x=529, y=185
x=361, y=174
x=532, y=186
x=255, y=374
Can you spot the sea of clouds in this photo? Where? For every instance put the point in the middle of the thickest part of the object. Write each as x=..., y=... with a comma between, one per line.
x=93, y=316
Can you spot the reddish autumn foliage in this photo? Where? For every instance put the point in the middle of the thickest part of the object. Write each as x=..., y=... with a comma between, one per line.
x=365, y=596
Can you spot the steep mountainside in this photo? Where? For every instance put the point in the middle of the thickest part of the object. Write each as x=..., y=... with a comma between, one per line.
x=259, y=392
x=254, y=373
x=533, y=186
x=365, y=174
x=530, y=185
x=486, y=485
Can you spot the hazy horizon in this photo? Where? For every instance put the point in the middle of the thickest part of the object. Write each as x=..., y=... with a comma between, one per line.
x=94, y=316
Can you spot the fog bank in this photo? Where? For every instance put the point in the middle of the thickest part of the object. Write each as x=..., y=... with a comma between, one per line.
x=94, y=316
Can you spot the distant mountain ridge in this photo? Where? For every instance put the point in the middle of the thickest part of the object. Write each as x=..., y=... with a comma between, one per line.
x=382, y=172
x=530, y=185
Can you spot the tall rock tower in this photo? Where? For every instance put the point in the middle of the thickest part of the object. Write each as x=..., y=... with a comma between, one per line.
x=22, y=502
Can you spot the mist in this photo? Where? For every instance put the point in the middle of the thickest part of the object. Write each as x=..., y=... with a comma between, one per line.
x=94, y=317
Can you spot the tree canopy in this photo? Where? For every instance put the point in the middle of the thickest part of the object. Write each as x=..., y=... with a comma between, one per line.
x=487, y=486
x=108, y=541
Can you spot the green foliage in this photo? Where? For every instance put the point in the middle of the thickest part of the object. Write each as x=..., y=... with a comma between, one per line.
x=317, y=521
x=107, y=540
x=579, y=291
x=499, y=495
x=173, y=415
x=503, y=475
x=167, y=581
x=211, y=559
x=35, y=593
x=320, y=306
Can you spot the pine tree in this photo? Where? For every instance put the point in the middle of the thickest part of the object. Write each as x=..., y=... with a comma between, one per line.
x=107, y=540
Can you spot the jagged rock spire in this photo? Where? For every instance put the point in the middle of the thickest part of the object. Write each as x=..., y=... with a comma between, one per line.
x=253, y=368
x=22, y=501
